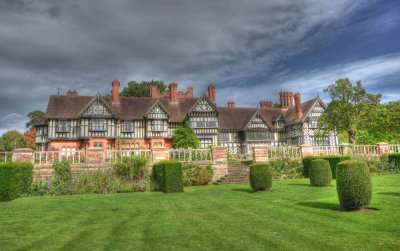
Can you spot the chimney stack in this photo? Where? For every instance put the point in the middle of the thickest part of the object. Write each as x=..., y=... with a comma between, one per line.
x=265, y=104
x=286, y=99
x=115, y=91
x=72, y=93
x=211, y=93
x=297, y=106
x=173, y=92
x=231, y=104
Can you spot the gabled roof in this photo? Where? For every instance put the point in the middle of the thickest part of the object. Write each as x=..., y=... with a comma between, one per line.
x=162, y=107
x=94, y=99
x=305, y=108
x=42, y=122
x=68, y=107
x=255, y=115
x=235, y=117
x=212, y=104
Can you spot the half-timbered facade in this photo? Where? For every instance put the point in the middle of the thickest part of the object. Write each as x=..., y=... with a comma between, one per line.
x=75, y=122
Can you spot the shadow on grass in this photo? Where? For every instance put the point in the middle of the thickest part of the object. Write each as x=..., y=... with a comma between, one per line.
x=319, y=205
x=390, y=193
x=245, y=190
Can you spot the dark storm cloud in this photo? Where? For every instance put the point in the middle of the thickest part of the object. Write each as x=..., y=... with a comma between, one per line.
x=85, y=44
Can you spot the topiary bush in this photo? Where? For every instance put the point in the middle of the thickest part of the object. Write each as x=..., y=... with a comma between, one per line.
x=15, y=179
x=333, y=161
x=168, y=175
x=320, y=173
x=260, y=177
x=353, y=184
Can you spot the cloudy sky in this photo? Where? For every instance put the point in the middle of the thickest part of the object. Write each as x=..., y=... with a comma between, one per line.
x=249, y=49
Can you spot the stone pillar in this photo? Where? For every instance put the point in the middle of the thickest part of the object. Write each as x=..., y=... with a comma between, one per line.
x=23, y=155
x=95, y=156
x=219, y=157
x=383, y=148
x=306, y=150
x=160, y=154
x=260, y=154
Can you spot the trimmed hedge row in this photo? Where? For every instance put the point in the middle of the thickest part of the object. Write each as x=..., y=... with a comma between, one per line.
x=394, y=158
x=15, y=179
x=320, y=173
x=168, y=175
x=333, y=161
x=260, y=177
x=353, y=184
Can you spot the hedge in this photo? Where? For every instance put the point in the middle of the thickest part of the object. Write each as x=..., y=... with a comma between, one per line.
x=353, y=184
x=15, y=179
x=320, y=173
x=168, y=175
x=394, y=158
x=333, y=161
x=260, y=177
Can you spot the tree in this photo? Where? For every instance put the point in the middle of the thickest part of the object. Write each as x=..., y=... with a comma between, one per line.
x=141, y=89
x=184, y=137
x=34, y=117
x=384, y=125
x=11, y=140
x=30, y=138
x=350, y=109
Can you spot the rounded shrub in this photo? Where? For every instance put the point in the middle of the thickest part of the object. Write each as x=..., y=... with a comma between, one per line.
x=353, y=184
x=260, y=177
x=320, y=173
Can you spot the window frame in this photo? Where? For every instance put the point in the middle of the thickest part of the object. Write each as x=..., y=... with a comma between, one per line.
x=125, y=125
x=101, y=125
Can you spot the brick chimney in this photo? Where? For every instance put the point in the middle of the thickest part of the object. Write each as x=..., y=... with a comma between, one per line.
x=211, y=93
x=297, y=106
x=173, y=92
x=115, y=91
x=265, y=104
x=72, y=93
x=286, y=99
x=231, y=104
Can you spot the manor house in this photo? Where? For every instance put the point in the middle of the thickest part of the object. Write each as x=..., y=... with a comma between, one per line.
x=74, y=122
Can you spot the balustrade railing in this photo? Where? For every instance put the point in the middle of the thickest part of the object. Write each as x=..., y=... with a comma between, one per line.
x=327, y=150
x=394, y=148
x=284, y=152
x=190, y=155
x=50, y=157
x=113, y=155
x=365, y=150
x=5, y=157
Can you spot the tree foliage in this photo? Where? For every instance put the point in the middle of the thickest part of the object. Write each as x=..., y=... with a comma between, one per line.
x=34, y=117
x=184, y=137
x=384, y=125
x=136, y=89
x=30, y=138
x=350, y=109
x=11, y=140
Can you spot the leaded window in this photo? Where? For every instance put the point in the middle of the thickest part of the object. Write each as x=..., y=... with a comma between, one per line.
x=313, y=124
x=258, y=135
x=127, y=126
x=157, y=125
x=98, y=125
x=224, y=137
x=62, y=126
x=205, y=142
x=203, y=122
x=319, y=141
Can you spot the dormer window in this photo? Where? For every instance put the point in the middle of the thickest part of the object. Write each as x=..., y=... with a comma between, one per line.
x=62, y=126
x=98, y=125
x=127, y=126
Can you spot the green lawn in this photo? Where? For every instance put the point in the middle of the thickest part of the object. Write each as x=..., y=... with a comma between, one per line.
x=294, y=216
